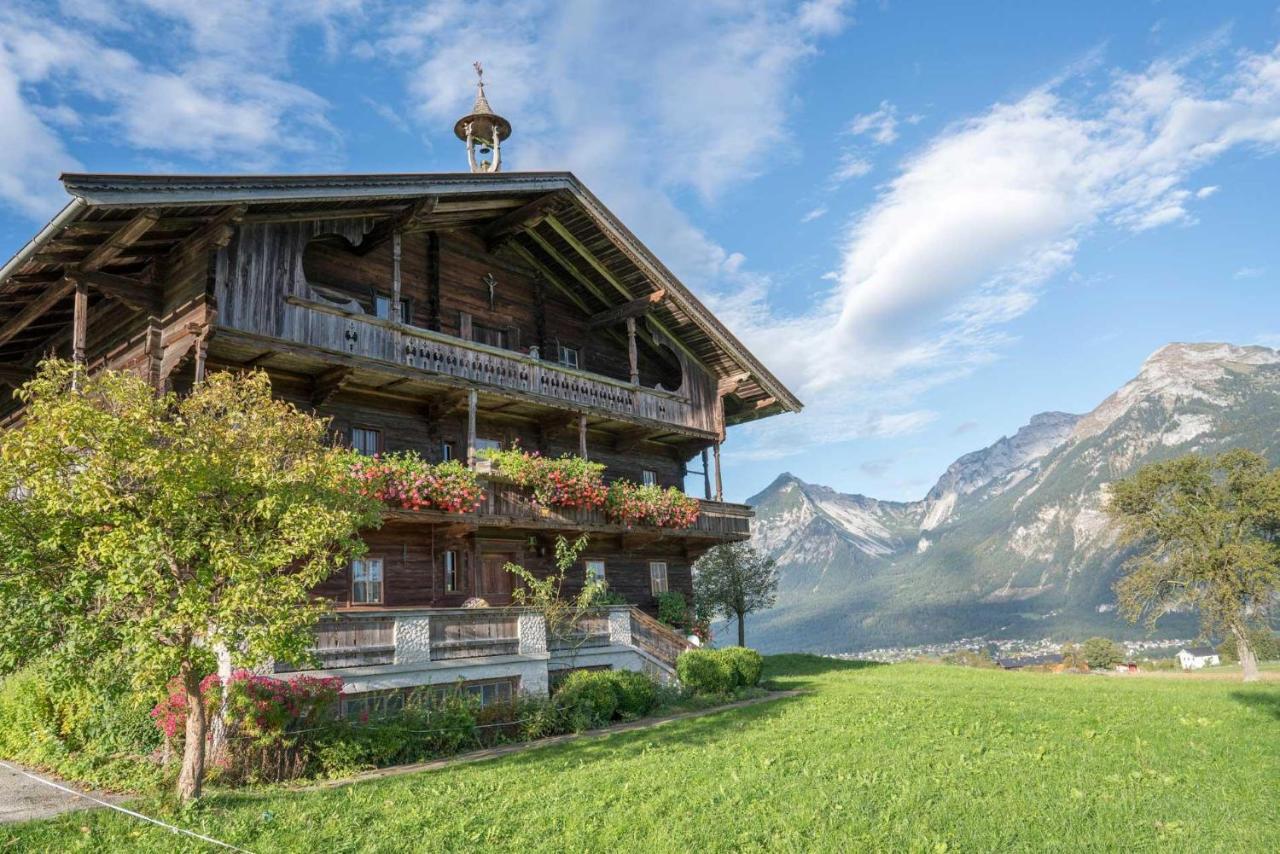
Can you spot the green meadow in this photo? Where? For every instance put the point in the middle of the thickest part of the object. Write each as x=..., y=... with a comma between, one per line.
x=907, y=757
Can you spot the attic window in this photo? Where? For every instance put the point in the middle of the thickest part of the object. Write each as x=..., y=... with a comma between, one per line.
x=569, y=356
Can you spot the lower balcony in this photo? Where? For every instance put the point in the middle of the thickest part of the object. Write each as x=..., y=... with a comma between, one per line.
x=373, y=648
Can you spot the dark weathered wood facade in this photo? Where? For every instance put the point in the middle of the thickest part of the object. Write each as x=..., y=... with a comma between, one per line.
x=437, y=312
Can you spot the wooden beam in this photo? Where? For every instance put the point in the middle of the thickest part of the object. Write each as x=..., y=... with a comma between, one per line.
x=328, y=383
x=549, y=276
x=520, y=219
x=627, y=311
x=404, y=221
x=433, y=281
x=14, y=374
x=569, y=268
x=80, y=323
x=729, y=384
x=472, y=400
x=134, y=293
x=38, y=306
x=216, y=233
x=442, y=406
x=120, y=240
x=629, y=439
x=633, y=357
x=582, y=435
x=719, y=482
x=589, y=256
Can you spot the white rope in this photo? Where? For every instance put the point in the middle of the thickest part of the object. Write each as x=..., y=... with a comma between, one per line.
x=128, y=812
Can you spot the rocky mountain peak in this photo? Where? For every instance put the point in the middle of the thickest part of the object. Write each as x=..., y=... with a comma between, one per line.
x=1006, y=456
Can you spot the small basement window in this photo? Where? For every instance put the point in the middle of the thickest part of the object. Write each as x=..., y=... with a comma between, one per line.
x=658, y=576
x=366, y=581
x=366, y=441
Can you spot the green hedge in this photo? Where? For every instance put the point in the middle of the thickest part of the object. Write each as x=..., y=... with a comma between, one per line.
x=719, y=671
x=593, y=698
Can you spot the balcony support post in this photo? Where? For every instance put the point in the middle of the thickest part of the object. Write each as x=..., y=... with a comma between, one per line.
x=471, y=428
x=706, y=475
x=719, y=482
x=582, y=435
x=631, y=351
x=80, y=323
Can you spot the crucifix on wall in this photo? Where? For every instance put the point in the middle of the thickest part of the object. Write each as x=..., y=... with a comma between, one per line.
x=491, y=282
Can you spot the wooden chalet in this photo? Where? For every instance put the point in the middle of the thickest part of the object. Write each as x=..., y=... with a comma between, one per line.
x=440, y=313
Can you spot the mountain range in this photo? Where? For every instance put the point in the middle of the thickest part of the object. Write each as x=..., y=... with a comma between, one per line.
x=1013, y=540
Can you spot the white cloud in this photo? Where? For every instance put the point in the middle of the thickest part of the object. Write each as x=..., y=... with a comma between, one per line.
x=1249, y=273
x=852, y=165
x=961, y=241
x=1206, y=192
x=881, y=126
x=816, y=213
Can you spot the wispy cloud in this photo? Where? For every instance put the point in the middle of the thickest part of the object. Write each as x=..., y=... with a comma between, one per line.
x=880, y=126
x=1249, y=273
x=815, y=213
x=852, y=165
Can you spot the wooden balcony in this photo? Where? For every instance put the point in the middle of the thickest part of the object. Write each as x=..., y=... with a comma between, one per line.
x=506, y=505
x=454, y=361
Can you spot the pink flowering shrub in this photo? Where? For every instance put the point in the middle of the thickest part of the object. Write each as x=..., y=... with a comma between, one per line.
x=406, y=481
x=566, y=481
x=651, y=506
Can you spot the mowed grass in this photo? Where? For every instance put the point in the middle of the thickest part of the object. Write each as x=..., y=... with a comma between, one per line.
x=904, y=757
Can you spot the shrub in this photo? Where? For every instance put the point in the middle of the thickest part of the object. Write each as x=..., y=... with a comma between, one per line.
x=705, y=671
x=1102, y=652
x=747, y=664
x=407, y=481
x=94, y=730
x=567, y=481
x=672, y=608
x=636, y=693
x=587, y=699
x=650, y=505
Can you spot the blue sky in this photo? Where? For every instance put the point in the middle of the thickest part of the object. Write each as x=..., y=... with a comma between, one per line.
x=931, y=220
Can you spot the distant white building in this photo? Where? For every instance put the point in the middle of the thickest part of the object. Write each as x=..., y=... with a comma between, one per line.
x=1195, y=657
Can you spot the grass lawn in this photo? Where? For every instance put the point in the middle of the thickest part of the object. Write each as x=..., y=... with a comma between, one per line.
x=903, y=757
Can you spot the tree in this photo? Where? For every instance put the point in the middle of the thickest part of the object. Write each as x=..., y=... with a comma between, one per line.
x=562, y=615
x=1073, y=657
x=1262, y=640
x=167, y=527
x=1101, y=653
x=734, y=580
x=1205, y=534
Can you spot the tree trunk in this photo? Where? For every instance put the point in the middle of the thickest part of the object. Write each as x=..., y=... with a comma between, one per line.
x=191, y=777
x=1244, y=651
x=742, y=629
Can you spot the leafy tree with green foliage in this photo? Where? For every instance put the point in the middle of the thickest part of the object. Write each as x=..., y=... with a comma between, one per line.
x=165, y=527
x=544, y=595
x=733, y=580
x=1205, y=531
x=1265, y=644
x=1102, y=653
x=1073, y=657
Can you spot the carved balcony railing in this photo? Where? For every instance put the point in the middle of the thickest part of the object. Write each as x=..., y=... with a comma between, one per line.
x=334, y=328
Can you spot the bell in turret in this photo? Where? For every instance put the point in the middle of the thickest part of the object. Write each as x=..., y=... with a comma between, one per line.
x=482, y=130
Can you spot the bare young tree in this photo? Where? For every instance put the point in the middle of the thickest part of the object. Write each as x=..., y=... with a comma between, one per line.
x=734, y=580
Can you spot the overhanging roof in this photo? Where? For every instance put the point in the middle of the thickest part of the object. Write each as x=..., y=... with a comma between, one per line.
x=567, y=232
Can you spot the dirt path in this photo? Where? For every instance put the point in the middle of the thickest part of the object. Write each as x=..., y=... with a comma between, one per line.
x=22, y=798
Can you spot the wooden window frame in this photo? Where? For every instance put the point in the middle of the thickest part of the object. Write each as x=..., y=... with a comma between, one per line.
x=586, y=568
x=649, y=477
x=382, y=581
x=374, y=430
x=561, y=349
x=458, y=584
x=666, y=577
x=448, y=450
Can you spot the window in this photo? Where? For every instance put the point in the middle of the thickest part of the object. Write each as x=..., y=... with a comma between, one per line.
x=382, y=308
x=569, y=356
x=595, y=570
x=366, y=441
x=488, y=691
x=650, y=477
x=366, y=581
x=446, y=451
x=658, y=576
x=372, y=705
x=453, y=581
x=490, y=335
x=488, y=445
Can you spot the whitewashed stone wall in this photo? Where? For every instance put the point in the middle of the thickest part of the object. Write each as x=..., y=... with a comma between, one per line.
x=532, y=630
x=620, y=627
x=413, y=640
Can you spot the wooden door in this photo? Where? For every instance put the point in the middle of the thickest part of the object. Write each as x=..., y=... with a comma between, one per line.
x=495, y=581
